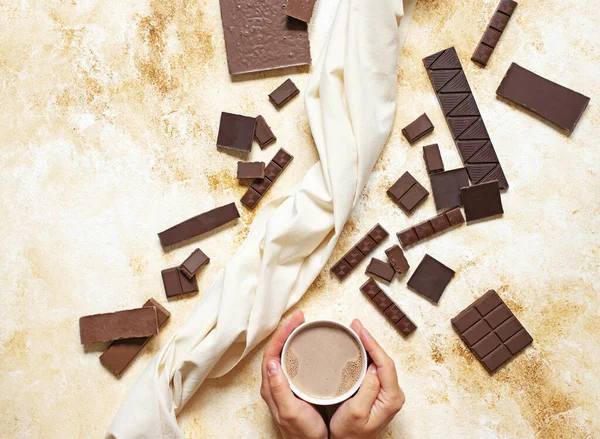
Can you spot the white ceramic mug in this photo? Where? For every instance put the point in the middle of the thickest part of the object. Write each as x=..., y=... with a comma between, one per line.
x=328, y=401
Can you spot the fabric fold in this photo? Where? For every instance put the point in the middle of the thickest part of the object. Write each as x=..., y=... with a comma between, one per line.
x=350, y=102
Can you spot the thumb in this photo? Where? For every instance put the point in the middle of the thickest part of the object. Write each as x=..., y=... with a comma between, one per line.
x=280, y=387
x=367, y=393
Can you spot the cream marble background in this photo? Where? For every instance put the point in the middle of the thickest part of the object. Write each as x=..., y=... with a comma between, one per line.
x=110, y=113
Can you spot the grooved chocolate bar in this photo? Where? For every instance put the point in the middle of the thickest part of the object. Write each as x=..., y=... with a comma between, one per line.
x=366, y=245
x=463, y=117
x=380, y=269
x=388, y=308
x=491, y=331
x=176, y=283
x=420, y=127
x=261, y=185
x=138, y=322
x=407, y=192
x=198, y=225
x=493, y=32
x=430, y=227
x=282, y=94
x=122, y=352
x=193, y=263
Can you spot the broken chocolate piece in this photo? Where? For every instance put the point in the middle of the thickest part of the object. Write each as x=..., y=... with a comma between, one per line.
x=388, y=308
x=418, y=128
x=491, y=331
x=260, y=186
x=482, y=201
x=138, y=322
x=433, y=159
x=493, y=32
x=282, y=94
x=250, y=170
x=262, y=133
x=446, y=187
x=236, y=132
x=430, y=278
x=407, y=192
x=194, y=263
x=176, y=283
x=397, y=259
x=300, y=9
x=557, y=104
x=357, y=253
x=380, y=269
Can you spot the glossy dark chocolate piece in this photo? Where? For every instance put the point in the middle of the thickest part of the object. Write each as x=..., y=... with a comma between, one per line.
x=300, y=9
x=407, y=192
x=433, y=159
x=420, y=127
x=464, y=120
x=176, y=283
x=139, y=322
x=194, y=263
x=247, y=170
x=198, y=225
x=446, y=187
x=388, y=308
x=380, y=269
x=493, y=32
x=120, y=353
x=358, y=252
x=260, y=186
x=397, y=259
x=262, y=133
x=492, y=332
x=430, y=278
x=482, y=201
x=259, y=36
x=557, y=104
x=236, y=132
x=282, y=94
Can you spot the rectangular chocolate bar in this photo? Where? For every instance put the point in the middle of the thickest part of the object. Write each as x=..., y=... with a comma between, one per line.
x=388, y=308
x=138, y=322
x=464, y=120
x=356, y=254
x=407, y=192
x=380, y=269
x=250, y=170
x=446, y=187
x=193, y=263
x=493, y=32
x=121, y=353
x=262, y=133
x=300, y=9
x=430, y=278
x=420, y=127
x=397, y=259
x=236, y=132
x=198, y=225
x=433, y=158
x=259, y=36
x=482, y=201
x=261, y=185
x=557, y=104
x=282, y=94
x=431, y=227
x=176, y=283
x=491, y=331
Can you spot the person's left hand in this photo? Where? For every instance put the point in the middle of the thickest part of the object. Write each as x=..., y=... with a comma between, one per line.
x=296, y=418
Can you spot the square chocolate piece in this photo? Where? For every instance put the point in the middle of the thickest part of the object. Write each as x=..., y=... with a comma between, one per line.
x=236, y=132
x=407, y=192
x=431, y=278
x=482, y=201
x=446, y=187
x=176, y=283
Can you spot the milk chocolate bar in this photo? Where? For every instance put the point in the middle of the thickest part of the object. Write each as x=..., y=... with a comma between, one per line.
x=176, y=283
x=491, y=331
x=139, y=322
x=356, y=254
x=407, y=192
x=380, y=269
x=431, y=227
x=493, y=32
x=194, y=263
x=464, y=120
x=282, y=94
x=250, y=170
x=388, y=308
x=260, y=186
x=262, y=133
x=430, y=278
x=236, y=132
x=420, y=127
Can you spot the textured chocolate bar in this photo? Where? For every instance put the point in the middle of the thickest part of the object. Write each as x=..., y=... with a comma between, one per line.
x=493, y=32
x=430, y=278
x=176, y=283
x=420, y=127
x=463, y=118
x=260, y=186
x=247, y=170
x=380, y=269
x=433, y=158
x=388, y=308
x=397, y=259
x=407, y=192
x=282, y=94
x=236, y=132
x=357, y=253
x=482, y=201
x=446, y=187
x=431, y=227
x=300, y=9
x=263, y=133
x=491, y=331
x=139, y=322
x=194, y=263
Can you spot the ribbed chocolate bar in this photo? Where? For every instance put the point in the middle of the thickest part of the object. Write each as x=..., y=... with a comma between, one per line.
x=282, y=94
x=491, y=331
x=261, y=185
x=380, y=269
x=420, y=127
x=193, y=263
x=431, y=227
x=464, y=120
x=493, y=32
x=262, y=133
x=176, y=283
x=388, y=308
x=366, y=245
x=407, y=192
x=138, y=322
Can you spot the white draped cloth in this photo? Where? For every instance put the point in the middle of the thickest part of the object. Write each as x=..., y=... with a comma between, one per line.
x=350, y=101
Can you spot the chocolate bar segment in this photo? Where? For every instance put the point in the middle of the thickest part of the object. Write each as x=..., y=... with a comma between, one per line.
x=407, y=192
x=139, y=322
x=462, y=115
x=482, y=201
x=446, y=187
x=236, y=132
x=491, y=331
x=282, y=94
x=493, y=32
x=198, y=225
x=433, y=159
x=430, y=278
x=259, y=36
x=358, y=252
x=380, y=269
x=194, y=263
x=420, y=127
x=250, y=170
x=176, y=283
x=300, y=9
x=437, y=224
x=121, y=353
x=557, y=104
x=388, y=308
x=262, y=133
x=397, y=259
x=260, y=186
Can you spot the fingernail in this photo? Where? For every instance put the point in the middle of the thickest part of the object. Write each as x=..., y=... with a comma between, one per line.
x=366, y=334
x=272, y=367
x=372, y=368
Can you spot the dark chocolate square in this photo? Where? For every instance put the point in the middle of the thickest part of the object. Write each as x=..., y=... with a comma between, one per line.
x=440, y=223
x=378, y=234
x=424, y=230
x=482, y=201
x=413, y=197
x=353, y=257
x=251, y=198
x=499, y=21
x=366, y=245
x=446, y=187
x=236, y=132
x=407, y=237
x=370, y=288
x=430, y=278
x=341, y=269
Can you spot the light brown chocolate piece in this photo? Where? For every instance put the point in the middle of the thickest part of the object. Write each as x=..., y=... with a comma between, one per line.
x=139, y=322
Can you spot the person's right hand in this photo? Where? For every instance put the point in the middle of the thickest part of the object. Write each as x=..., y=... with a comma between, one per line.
x=379, y=398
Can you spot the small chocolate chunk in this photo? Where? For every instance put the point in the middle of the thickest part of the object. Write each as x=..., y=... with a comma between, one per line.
x=300, y=9
x=431, y=278
x=407, y=192
x=397, y=259
x=433, y=159
x=236, y=132
x=176, y=283
x=380, y=269
x=138, y=322
x=420, y=127
x=250, y=170
x=482, y=201
x=193, y=263
x=262, y=133
x=282, y=94
x=446, y=187
x=358, y=252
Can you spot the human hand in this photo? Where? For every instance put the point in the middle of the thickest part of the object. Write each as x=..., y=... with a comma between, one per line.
x=377, y=401
x=296, y=418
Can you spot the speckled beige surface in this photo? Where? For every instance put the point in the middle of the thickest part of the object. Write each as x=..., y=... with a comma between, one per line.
x=110, y=112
